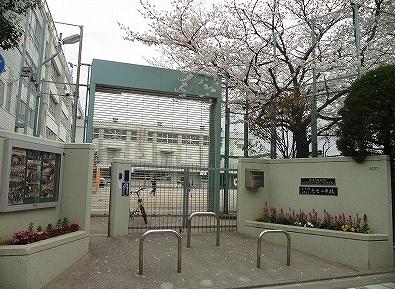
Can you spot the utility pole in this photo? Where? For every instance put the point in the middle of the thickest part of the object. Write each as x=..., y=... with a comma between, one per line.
x=21, y=74
x=39, y=101
x=77, y=87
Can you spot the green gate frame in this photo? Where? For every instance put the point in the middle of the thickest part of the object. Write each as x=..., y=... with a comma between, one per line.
x=115, y=77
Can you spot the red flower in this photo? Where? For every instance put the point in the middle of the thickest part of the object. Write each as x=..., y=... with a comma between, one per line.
x=74, y=227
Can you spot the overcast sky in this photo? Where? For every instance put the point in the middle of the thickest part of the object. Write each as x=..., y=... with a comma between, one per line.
x=102, y=35
x=103, y=39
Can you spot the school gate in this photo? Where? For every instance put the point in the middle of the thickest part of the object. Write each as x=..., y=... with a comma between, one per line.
x=166, y=126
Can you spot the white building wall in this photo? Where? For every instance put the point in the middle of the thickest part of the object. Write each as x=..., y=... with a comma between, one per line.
x=148, y=145
x=11, y=77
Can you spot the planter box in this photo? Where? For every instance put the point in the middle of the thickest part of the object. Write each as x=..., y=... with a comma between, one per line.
x=367, y=251
x=34, y=265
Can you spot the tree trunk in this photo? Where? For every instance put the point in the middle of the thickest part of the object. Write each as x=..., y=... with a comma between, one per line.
x=302, y=144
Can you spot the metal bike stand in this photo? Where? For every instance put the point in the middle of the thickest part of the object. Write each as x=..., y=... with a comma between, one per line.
x=150, y=232
x=259, y=249
x=202, y=214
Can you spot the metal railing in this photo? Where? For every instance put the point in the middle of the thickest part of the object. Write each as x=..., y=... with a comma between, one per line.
x=141, y=247
x=202, y=214
x=259, y=248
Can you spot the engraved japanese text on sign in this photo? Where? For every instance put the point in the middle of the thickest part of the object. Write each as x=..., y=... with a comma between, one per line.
x=326, y=191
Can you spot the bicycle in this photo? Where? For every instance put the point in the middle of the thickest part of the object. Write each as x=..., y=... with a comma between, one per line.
x=140, y=207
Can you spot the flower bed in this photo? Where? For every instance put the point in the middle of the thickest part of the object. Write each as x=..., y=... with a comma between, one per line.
x=30, y=236
x=359, y=250
x=313, y=220
x=33, y=265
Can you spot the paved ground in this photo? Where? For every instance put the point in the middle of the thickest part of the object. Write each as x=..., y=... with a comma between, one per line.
x=113, y=263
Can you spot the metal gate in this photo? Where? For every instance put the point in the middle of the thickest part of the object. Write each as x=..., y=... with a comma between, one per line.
x=171, y=193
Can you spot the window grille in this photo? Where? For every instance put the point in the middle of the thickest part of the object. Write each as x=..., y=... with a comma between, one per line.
x=50, y=134
x=52, y=105
x=31, y=118
x=65, y=120
x=9, y=96
x=55, y=72
x=1, y=92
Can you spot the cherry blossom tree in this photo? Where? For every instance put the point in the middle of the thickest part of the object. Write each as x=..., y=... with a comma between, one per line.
x=11, y=14
x=268, y=50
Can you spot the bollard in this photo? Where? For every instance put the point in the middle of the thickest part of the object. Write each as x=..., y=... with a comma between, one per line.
x=202, y=214
x=141, y=247
x=259, y=248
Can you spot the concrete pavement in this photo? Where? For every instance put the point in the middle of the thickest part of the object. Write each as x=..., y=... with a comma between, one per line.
x=113, y=263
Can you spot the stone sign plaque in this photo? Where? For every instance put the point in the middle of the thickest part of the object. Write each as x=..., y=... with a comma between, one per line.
x=317, y=181
x=323, y=191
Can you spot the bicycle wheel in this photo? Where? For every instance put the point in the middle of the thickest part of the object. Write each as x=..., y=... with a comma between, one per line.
x=143, y=213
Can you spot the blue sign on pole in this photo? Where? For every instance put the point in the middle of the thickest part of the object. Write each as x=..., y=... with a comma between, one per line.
x=2, y=64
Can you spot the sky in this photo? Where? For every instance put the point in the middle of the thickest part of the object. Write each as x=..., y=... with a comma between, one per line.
x=103, y=39
x=102, y=35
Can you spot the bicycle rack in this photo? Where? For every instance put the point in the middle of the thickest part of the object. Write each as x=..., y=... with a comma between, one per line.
x=141, y=247
x=202, y=214
x=259, y=249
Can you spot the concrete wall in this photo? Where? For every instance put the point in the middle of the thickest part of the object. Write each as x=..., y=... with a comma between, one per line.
x=362, y=188
x=77, y=184
x=74, y=190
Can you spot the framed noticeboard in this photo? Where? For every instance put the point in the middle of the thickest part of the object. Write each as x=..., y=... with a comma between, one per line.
x=30, y=176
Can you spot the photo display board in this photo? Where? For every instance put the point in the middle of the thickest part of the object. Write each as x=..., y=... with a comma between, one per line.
x=30, y=178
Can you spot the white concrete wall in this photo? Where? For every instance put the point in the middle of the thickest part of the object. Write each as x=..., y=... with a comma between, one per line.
x=362, y=188
x=74, y=191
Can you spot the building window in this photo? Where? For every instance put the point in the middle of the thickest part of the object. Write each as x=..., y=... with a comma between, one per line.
x=65, y=120
x=95, y=133
x=1, y=92
x=52, y=105
x=164, y=137
x=35, y=29
x=9, y=96
x=206, y=141
x=22, y=110
x=191, y=139
x=150, y=136
x=55, y=72
x=31, y=118
x=133, y=135
x=50, y=134
x=30, y=63
x=119, y=134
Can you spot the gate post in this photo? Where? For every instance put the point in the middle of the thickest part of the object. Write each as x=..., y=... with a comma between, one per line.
x=185, y=198
x=213, y=196
x=119, y=201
